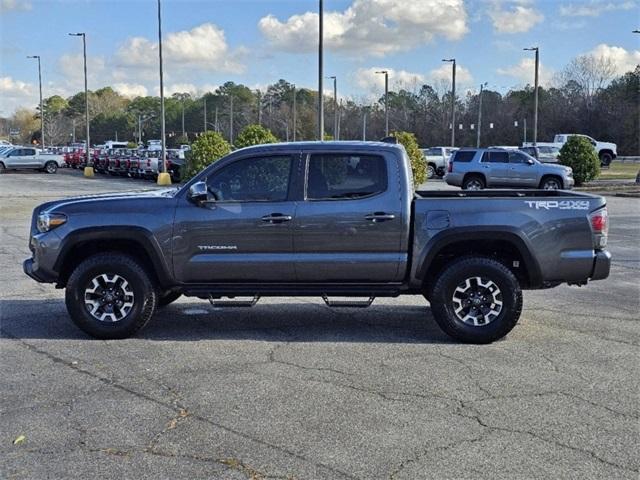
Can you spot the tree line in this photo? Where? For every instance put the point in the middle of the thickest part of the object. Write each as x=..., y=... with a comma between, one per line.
x=587, y=98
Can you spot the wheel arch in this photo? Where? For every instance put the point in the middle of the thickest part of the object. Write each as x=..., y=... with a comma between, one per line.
x=475, y=174
x=136, y=242
x=551, y=175
x=504, y=244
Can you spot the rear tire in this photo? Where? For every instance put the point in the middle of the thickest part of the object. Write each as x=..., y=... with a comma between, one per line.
x=431, y=171
x=51, y=167
x=100, y=290
x=2, y=168
x=474, y=182
x=476, y=300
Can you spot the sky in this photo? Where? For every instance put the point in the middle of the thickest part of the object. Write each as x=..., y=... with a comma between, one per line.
x=257, y=42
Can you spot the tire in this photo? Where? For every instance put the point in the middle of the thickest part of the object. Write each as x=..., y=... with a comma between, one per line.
x=551, y=183
x=51, y=167
x=167, y=298
x=116, y=322
x=431, y=171
x=606, y=159
x=474, y=182
x=2, y=168
x=454, y=305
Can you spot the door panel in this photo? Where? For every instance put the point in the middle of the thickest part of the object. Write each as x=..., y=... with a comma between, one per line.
x=244, y=232
x=347, y=238
x=231, y=242
x=522, y=173
x=496, y=168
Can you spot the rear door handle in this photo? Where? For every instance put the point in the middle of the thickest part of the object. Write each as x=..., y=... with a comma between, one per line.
x=277, y=218
x=379, y=217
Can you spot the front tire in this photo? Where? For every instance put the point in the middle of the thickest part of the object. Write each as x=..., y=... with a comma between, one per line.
x=551, y=183
x=476, y=300
x=2, y=168
x=606, y=159
x=431, y=171
x=110, y=296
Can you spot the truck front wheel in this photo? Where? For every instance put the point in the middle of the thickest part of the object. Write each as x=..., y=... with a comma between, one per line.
x=110, y=295
x=476, y=300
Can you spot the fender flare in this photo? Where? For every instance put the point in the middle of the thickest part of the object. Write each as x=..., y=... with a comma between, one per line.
x=143, y=237
x=464, y=234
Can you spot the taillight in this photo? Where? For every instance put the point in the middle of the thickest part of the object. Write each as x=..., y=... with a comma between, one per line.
x=600, y=227
x=450, y=168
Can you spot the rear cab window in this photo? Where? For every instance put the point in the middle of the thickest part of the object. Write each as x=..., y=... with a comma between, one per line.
x=495, y=157
x=464, y=156
x=345, y=176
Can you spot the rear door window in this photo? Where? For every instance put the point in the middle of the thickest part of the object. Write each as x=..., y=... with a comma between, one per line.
x=340, y=176
x=464, y=156
x=495, y=157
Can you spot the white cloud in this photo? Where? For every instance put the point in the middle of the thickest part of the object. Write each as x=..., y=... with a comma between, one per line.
x=72, y=67
x=8, y=5
x=131, y=90
x=524, y=72
x=370, y=27
x=373, y=83
x=15, y=94
x=623, y=60
x=514, y=16
x=595, y=8
x=203, y=47
x=443, y=74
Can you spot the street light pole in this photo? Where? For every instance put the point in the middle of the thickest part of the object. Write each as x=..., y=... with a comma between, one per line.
x=163, y=177
x=364, y=124
x=535, y=96
x=320, y=72
x=453, y=100
x=89, y=168
x=41, y=106
x=480, y=115
x=231, y=119
x=335, y=106
x=386, y=101
x=204, y=99
x=295, y=118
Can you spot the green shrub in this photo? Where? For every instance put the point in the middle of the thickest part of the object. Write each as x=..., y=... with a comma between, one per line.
x=254, y=135
x=579, y=154
x=208, y=148
x=418, y=166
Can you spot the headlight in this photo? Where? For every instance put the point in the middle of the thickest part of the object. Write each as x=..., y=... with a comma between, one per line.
x=49, y=221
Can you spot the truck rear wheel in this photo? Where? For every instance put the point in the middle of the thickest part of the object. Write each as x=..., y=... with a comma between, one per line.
x=473, y=182
x=110, y=295
x=51, y=167
x=476, y=300
x=431, y=171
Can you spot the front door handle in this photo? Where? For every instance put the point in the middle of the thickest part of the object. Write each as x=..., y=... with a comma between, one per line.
x=380, y=217
x=277, y=218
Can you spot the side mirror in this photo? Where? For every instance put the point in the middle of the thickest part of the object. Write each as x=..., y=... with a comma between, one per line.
x=530, y=162
x=198, y=193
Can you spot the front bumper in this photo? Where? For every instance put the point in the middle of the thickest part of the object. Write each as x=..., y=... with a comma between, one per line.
x=31, y=268
x=601, y=265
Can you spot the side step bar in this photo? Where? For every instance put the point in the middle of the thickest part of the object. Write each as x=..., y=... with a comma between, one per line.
x=232, y=303
x=347, y=304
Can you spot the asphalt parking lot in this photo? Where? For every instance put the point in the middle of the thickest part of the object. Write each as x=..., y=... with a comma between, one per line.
x=293, y=389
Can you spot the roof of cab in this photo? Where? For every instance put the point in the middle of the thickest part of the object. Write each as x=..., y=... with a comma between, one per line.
x=326, y=145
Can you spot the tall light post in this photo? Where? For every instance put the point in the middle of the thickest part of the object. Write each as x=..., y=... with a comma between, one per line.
x=335, y=106
x=535, y=95
x=320, y=72
x=88, y=170
x=364, y=124
x=453, y=99
x=204, y=99
x=386, y=101
x=295, y=114
x=163, y=177
x=231, y=119
x=41, y=106
x=480, y=114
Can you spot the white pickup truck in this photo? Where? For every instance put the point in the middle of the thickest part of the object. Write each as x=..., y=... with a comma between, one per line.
x=436, y=159
x=605, y=150
x=19, y=158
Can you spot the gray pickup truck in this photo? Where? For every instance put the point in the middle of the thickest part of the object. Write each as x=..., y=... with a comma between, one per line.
x=327, y=219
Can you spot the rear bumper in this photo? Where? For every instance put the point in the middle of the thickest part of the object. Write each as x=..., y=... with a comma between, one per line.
x=601, y=265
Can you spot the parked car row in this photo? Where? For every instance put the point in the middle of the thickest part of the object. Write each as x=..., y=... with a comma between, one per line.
x=126, y=162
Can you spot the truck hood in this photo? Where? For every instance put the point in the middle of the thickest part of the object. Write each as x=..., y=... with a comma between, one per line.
x=136, y=194
x=607, y=146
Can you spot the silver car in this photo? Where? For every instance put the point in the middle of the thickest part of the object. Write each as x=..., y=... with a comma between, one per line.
x=475, y=169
